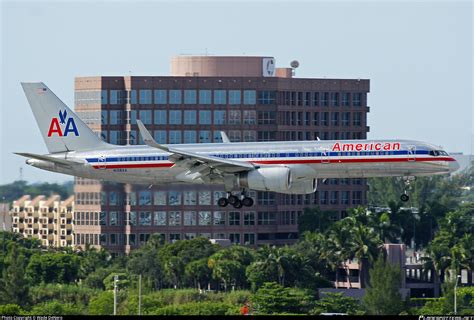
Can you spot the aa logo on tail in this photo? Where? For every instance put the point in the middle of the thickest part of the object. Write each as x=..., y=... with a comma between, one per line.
x=57, y=124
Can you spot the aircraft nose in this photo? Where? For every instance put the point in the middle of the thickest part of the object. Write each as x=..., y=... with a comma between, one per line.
x=453, y=166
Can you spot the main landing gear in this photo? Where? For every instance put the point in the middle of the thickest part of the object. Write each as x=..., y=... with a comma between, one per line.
x=407, y=180
x=236, y=201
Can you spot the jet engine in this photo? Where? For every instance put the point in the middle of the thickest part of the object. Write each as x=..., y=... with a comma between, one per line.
x=302, y=187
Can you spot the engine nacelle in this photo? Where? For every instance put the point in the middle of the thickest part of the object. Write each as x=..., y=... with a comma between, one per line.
x=302, y=187
x=276, y=179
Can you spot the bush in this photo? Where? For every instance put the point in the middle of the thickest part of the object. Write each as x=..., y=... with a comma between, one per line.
x=11, y=310
x=273, y=298
x=55, y=308
x=102, y=304
x=197, y=308
x=66, y=293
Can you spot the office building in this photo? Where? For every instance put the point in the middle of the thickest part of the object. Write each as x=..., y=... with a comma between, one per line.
x=250, y=100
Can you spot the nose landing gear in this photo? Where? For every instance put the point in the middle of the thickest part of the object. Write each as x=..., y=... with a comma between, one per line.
x=236, y=201
x=407, y=180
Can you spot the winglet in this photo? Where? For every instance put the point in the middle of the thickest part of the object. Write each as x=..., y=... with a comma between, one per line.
x=225, y=138
x=148, y=139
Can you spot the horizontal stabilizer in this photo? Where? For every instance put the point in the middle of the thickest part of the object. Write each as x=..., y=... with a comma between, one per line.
x=47, y=158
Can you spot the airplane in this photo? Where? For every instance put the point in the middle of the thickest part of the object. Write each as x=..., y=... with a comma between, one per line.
x=290, y=167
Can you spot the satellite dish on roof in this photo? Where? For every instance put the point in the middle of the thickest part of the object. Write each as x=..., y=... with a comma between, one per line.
x=294, y=64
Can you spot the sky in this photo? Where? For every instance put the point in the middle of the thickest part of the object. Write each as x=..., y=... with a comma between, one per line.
x=417, y=55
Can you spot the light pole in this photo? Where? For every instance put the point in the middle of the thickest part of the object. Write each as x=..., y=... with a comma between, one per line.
x=116, y=279
x=140, y=295
x=455, y=295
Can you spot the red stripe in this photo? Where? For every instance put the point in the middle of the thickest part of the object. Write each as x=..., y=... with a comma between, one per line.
x=361, y=160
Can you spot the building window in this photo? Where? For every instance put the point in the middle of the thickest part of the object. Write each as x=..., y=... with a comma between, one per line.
x=205, y=198
x=345, y=99
x=204, y=96
x=145, y=96
x=266, y=136
x=324, y=99
x=132, y=218
x=189, y=218
x=160, y=96
x=113, y=218
x=175, y=96
x=323, y=197
x=356, y=197
x=133, y=96
x=117, y=96
x=266, y=97
x=160, y=136
x=250, y=136
x=144, y=237
x=266, y=117
x=144, y=198
x=219, y=117
x=145, y=218
x=189, y=198
x=250, y=117
x=103, y=218
x=266, y=198
x=345, y=197
x=266, y=218
x=235, y=97
x=175, y=237
x=174, y=218
x=345, y=121
x=220, y=97
x=356, y=99
x=217, y=136
x=234, y=218
x=116, y=117
x=249, y=238
x=204, y=136
x=114, y=136
x=334, y=99
x=145, y=116
x=250, y=97
x=234, y=238
x=103, y=96
x=190, y=116
x=204, y=116
x=204, y=218
x=132, y=239
x=234, y=117
x=189, y=136
x=175, y=136
x=189, y=235
x=334, y=199
x=219, y=218
x=104, y=117
x=190, y=97
x=235, y=136
x=324, y=118
x=249, y=218
x=103, y=239
x=356, y=121
x=160, y=218
x=175, y=116
x=160, y=116
x=174, y=198
x=335, y=118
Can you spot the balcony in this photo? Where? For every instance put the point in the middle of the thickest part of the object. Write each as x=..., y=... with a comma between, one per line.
x=51, y=237
x=69, y=227
x=69, y=238
x=69, y=215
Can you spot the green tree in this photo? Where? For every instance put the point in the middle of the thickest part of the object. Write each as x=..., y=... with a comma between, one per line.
x=11, y=310
x=199, y=272
x=273, y=298
x=53, y=267
x=337, y=303
x=228, y=265
x=382, y=296
x=102, y=304
x=14, y=285
x=313, y=219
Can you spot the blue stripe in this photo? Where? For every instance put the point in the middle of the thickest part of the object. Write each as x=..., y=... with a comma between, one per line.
x=264, y=155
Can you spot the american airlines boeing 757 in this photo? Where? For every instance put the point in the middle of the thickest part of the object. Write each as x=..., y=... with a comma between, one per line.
x=290, y=167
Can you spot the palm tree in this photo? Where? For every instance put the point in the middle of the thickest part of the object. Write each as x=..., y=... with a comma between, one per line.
x=338, y=243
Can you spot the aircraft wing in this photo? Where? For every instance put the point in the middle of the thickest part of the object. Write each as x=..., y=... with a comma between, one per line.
x=194, y=162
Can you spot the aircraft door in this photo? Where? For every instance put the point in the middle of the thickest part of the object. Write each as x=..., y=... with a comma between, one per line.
x=411, y=153
x=102, y=162
x=325, y=156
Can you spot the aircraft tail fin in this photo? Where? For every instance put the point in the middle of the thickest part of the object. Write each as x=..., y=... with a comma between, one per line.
x=61, y=128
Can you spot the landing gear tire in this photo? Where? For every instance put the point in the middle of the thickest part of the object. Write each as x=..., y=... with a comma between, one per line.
x=232, y=199
x=237, y=204
x=222, y=202
x=404, y=197
x=248, y=202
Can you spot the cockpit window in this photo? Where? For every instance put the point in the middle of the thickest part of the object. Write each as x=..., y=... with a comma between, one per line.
x=437, y=153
